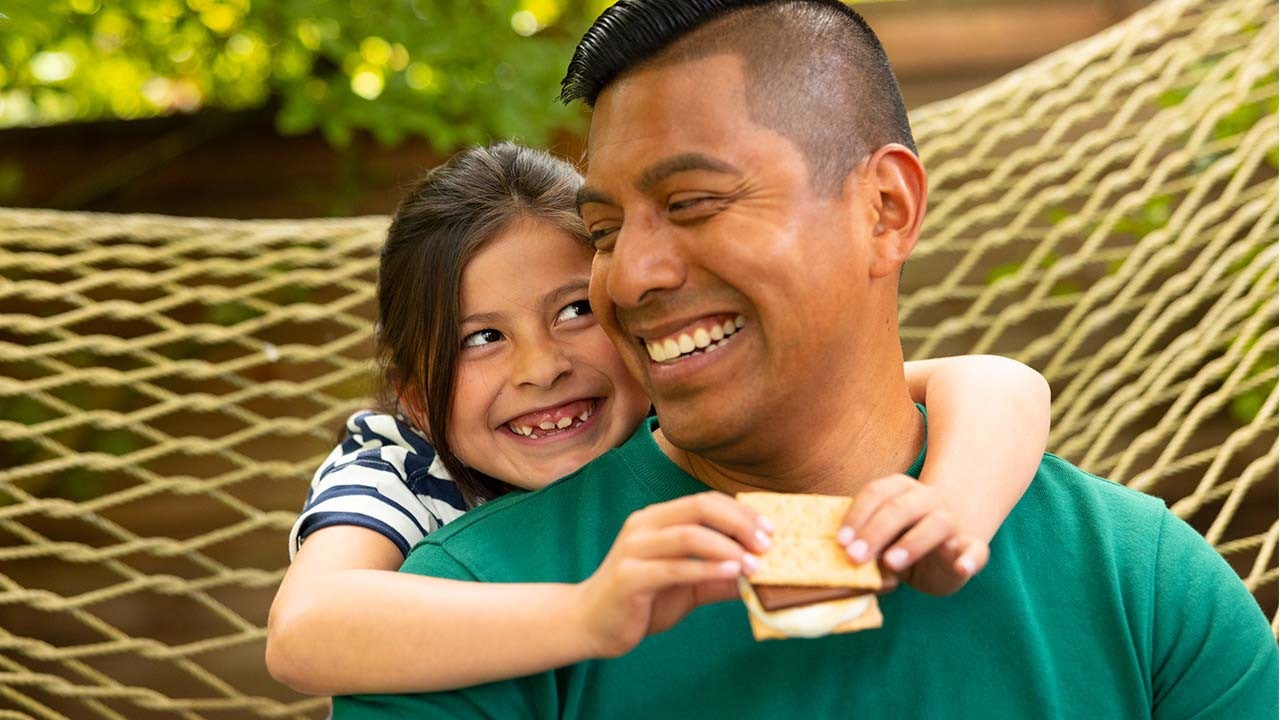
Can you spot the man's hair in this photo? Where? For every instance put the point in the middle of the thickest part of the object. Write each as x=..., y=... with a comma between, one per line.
x=815, y=71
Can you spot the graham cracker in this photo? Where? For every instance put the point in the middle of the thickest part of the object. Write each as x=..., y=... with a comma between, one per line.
x=804, y=549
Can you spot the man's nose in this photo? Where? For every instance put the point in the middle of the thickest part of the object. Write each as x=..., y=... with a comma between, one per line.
x=646, y=260
x=540, y=362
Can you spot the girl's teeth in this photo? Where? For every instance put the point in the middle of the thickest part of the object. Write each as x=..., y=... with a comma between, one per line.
x=670, y=348
x=585, y=414
x=730, y=327
x=701, y=338
x=563, y=423
x=717, y=333
x=547, y=425
x=740, y=321
x=686, y=344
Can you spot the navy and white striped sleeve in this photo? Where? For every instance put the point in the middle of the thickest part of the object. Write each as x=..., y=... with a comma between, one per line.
x=385, y=477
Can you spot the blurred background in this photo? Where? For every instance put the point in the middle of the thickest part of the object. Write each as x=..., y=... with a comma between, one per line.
x=316, y=108
x=169, y=383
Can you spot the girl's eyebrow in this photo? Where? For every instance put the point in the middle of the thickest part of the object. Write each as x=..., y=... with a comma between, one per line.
x=488, y=318
x=565, y=291
x=558, y=295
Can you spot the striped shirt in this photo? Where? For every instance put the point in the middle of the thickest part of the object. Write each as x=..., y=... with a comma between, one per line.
x=384, y=476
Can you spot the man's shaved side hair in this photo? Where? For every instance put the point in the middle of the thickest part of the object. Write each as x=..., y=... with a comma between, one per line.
x=815, y=71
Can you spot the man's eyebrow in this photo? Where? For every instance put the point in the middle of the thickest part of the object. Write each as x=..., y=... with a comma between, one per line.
x=588, y=194
x=658, y=172
x=685, y=162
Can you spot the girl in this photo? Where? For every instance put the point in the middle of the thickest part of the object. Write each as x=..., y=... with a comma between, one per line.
x=490, y=350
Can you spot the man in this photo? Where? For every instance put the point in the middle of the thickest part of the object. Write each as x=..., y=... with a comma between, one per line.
x=753, y=160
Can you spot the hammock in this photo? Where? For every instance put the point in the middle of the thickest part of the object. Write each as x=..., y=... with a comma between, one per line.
x=167, y=385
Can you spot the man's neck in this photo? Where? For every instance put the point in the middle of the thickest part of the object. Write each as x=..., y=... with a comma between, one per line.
x=879, y=436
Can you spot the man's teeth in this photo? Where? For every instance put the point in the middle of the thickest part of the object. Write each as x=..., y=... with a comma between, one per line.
x=704, y=339
x=547, y=426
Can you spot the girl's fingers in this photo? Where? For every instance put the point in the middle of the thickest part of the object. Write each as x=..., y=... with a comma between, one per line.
x=932, y=531
x=867, y=501
x=973, y=558
x=657, y=574
x=893, y=517
x=888, y=582
x=711, y=509
x=690, y=541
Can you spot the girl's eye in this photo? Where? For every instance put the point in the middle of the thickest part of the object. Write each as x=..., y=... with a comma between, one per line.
x=481, y=337
x=573, y=310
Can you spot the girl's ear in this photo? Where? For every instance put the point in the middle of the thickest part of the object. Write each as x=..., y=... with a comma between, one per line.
x=413, y=404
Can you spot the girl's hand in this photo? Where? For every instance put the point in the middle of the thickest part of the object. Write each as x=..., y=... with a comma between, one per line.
x=905, y=524
x=668, y=559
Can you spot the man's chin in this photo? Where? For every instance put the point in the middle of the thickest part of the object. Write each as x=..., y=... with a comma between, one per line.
x=689, y=426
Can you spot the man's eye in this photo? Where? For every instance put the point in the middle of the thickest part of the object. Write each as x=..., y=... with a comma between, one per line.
x=481, y=337
x=573, y=310
x=598, y=237
x=687, y=203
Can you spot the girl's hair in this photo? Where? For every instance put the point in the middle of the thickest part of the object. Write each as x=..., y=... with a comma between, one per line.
x=448, y=216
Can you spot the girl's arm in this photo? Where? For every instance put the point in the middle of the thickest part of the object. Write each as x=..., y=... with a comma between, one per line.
x=988, y=425
x=343, y=623
x=339, y=626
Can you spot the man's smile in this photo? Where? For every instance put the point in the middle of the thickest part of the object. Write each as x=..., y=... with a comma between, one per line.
x=705, y=335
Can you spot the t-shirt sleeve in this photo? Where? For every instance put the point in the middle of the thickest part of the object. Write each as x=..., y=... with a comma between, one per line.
x=530, y=697
x=384, y=478
x=1213, y=653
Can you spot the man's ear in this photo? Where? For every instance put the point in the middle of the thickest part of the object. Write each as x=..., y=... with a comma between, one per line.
x=899, y=191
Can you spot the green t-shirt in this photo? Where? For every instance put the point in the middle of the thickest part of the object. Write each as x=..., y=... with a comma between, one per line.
x=1097, y=603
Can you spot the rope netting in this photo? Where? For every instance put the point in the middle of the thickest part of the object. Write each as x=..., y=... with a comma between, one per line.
x=1107, y=215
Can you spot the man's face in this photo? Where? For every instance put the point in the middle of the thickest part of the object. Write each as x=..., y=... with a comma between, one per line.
x=709, y=232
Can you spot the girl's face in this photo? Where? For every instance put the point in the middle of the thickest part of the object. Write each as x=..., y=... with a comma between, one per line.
x=540, y=390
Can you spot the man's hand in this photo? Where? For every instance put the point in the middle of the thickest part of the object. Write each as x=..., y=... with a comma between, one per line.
x=903, y=523
x=668, y=559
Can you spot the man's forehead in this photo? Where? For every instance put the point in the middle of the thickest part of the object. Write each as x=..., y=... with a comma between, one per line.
x=661, y=112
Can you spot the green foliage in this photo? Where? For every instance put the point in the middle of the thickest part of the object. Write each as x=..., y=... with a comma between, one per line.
x=452, y=71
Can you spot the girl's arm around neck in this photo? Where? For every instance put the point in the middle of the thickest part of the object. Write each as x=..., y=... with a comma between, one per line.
x=344, y=623
x=988, y=425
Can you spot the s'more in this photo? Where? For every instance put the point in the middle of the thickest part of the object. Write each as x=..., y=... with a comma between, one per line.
x=806, y=585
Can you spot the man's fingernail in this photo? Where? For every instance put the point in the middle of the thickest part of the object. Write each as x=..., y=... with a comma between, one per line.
x=730, y=568
x=858, y=550
x=844, y=535
x=896, y=558
x=750, y=564
x=764, y=523
x=968, y=565
x=763, y=540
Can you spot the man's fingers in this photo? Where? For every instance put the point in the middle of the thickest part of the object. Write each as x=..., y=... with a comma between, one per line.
x=867, y=501
x=929, y=533
x=712, y=509
x=890, y=519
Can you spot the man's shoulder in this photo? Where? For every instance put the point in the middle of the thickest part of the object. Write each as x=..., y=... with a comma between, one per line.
x=1100, y=520
x=495, y=539
x=1062, y=480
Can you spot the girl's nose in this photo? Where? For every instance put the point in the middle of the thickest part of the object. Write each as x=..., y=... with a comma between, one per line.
x=541, y=363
